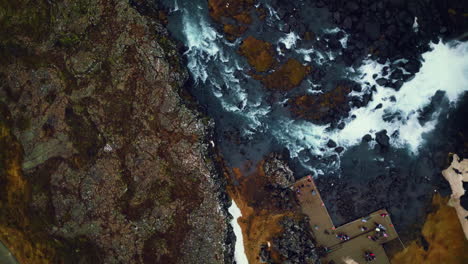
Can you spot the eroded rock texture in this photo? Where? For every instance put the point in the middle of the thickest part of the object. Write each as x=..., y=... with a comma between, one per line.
x=101, y=158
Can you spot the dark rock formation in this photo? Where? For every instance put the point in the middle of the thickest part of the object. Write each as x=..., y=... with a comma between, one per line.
x=295, y=244
x=367, y=138
x=382, y=139
x=111, y=161
x=277, y=171
x=331, y=144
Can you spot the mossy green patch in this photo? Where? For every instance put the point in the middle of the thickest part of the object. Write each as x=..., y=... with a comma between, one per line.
x=68, y=40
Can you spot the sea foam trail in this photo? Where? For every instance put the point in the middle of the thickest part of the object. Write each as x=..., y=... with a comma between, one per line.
x=211, y=62
x=239, y=252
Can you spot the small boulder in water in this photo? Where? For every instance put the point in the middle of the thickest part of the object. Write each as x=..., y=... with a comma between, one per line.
x=382, y=139
x=381, y=81
x=339, y=149
x=367, y=138
x=331, y=144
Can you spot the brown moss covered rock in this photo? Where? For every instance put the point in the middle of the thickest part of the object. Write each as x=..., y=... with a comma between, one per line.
x=233, y=15
x=322, y=108
x=233, y=9
x=286, y=77
x=259, y=53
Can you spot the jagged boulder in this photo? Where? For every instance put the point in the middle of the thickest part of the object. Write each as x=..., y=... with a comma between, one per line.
x=277, y=171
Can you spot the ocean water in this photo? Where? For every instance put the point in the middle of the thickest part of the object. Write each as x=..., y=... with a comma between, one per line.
x=243, y=109
x=252, y=121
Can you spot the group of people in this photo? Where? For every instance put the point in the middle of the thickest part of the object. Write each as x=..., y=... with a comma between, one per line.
x=380, y=231
x=342, y=237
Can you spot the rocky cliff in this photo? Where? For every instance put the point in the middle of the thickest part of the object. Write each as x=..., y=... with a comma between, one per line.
x=100, y=160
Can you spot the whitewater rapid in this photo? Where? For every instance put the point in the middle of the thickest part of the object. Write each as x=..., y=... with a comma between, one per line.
x=445, y=68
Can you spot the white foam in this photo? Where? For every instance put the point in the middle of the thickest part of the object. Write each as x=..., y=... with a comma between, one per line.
x=200, y=35
x=289, y=40
x=202, y=45
x=299, y=135
x=344, y=41
x=272, y=13
x=239, y=252
x=319, y=58
x=305, y=53
x=435, y=74
x=331, y=30
x=415, y=25
x=444, y=68
x=207, y=48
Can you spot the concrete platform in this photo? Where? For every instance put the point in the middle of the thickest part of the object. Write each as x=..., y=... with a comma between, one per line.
x=358, y=231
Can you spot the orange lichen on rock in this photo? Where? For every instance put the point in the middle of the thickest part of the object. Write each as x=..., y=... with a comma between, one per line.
x=259, y=53
x=260, y=217
x=227, y=12
x=320, y=106
x=443, y=233
x=286, y=77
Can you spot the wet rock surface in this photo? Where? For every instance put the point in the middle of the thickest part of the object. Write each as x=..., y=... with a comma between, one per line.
x=114, y=164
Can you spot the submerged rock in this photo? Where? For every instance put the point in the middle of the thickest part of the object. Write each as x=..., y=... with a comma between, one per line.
x=286, y=77
x=322, y=108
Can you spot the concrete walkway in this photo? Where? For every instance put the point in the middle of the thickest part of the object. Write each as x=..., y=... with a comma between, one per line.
x=358, y=231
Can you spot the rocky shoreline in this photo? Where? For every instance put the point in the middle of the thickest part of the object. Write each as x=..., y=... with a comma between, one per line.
x=106, y=162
